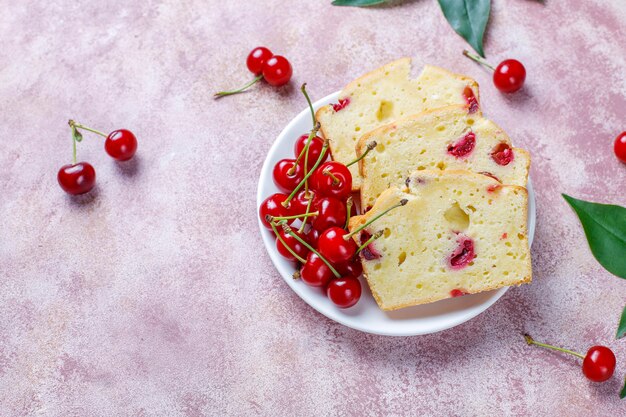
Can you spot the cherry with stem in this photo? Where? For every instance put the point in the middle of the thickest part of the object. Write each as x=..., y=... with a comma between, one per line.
x=508, y=76
x=290, y=232
x=293, y=253
x=598, y=364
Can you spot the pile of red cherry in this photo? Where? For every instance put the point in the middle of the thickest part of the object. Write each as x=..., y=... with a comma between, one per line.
x=310, y=216
x=80, y=177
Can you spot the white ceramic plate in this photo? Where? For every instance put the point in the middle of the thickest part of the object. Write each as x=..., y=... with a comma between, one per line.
x=366, y=316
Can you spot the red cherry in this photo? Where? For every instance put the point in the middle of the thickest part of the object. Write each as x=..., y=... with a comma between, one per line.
x=312, y=236
x=293, y=243
x=315, y=149
x=599, y=363
x=337, y=182
x=351, y=268
x=315, y=272
x=502, y=154
x=285, y=180
x=257, y=58
x=334, y=247
x=344, y=292
x=620, y=147
x=77, y=178
x=509, y=76
x=272, y=206
x=121, y=144
x=300, y=201
x=277, y=71
x=332, y=212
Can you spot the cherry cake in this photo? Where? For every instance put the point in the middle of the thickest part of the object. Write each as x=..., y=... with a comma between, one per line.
x=459, y=233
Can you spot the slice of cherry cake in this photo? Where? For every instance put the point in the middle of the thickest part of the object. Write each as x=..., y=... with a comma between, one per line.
x=459, y=233
x=445, y=138
x=384, y=95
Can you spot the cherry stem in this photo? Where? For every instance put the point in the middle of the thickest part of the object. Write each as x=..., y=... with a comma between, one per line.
x=308, y=100
x=239, y=90
x=348, y=209
x=478, y=59
x=330, y=174
x=296, y=275
x=354, y=232
x=304, y=152
x=370, y=240
x=370, y=146
x=296, y=216
x=308, y=174
x=75, y=125
x=290, y=232
x=73, y=144
x=308, y=207
x=295, y=255
x=532, y=341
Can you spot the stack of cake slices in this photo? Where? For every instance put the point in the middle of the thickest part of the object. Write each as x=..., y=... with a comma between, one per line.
x=463, y=228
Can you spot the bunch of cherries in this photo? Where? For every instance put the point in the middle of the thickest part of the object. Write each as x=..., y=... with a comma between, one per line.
x=80, y=177
x=317, y=194
x=275, y=69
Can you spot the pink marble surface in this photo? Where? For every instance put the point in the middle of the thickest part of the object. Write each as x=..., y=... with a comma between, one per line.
x=153, y=295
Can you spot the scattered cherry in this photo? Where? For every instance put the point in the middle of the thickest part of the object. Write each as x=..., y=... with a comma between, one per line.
x=287, y=174
x=272, y=206
x=598, y=364
x=332, y=179
x=620, y=147
x=315, y=149
x=257, y=58
x=334, y=247
x=332, y=212
x=77, y=178
x=293, y=244
x=121, y=144
x=344, y=292
x=315, y=272
x=508, y=76
x=277, y=71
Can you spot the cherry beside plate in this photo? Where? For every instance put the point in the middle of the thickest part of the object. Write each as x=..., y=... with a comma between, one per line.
x=366, y=316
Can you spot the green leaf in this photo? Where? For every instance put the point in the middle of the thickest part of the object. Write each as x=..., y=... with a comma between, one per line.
x=358, y=3
x=76, y=134
x=605, y=228
x=622, y=394
x=621, y=327
x=469, y=19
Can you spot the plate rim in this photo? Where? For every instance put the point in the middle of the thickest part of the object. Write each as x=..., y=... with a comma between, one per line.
x=265, y=176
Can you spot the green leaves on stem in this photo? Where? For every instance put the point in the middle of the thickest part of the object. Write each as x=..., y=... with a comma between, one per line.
x=605, y=228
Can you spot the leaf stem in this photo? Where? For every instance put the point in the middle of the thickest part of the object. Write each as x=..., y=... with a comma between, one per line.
x=478, y=59
x=532, y=341
x=239, y=90
x=357, y=230
x=290, y=232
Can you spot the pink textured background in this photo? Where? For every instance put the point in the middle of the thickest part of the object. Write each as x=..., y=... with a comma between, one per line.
x=153, y=295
